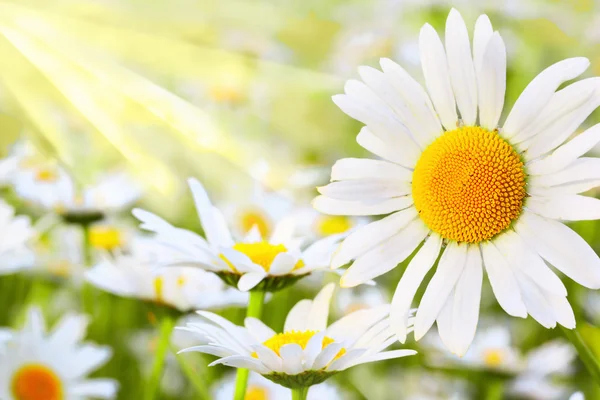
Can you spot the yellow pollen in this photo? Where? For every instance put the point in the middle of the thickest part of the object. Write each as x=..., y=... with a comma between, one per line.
x=256, y=393
x=493, y=357
x=261, y=253
x=46, y=175
x=250, y=218
x=106, y=238
x=298, y=337
x=158, y=289
x=36, y=382
x=181, y=280
x=469, y=185
x=330, y=225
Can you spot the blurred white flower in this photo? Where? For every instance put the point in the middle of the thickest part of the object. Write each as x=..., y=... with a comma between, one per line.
x=137, y=274
x=35, y=364
x=254, y=262
x=308, y=351
x=363, y=297
x=59, y=254
x=16, y=233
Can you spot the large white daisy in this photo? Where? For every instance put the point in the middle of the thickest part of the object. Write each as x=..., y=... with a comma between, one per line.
x=307, y=351
x=453, y=177
x=35, y=364
x=137, y=274
x=251, y=262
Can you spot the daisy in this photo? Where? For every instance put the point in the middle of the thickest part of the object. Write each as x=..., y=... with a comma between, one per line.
x=250, y=263
x=31, y=368
x=308, y=351
x=454, y=177
x=16, y=233
x=360, y=298
x=136, y=274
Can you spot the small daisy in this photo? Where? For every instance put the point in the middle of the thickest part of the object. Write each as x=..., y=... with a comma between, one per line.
x=480, y=192
x=250, y=263
x=308, y=351
x=260, y=388
x=16, y=233
x=59, y=254
x=136, y=274
x=35, y=364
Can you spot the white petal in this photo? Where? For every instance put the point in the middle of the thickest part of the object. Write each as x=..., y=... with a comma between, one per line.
x=250, y=280
x=361, y=168
x=467, y=296
x=214, y=225
x=215, y=350
x=460, y=64
x=448, y=271
x=503, y=281
x=563, y=127
x=537, y=94
x=351, y=327
x=319, y=310
x=95, y=388
x=408, y=285
x=492, y=83
x=444, y=323
x=371, y=142
x=561, y=247
x=69, y=331
x=481, y=37
x=366, y=237
x=582, y=169
x=331, y=206
x=366, y=190
x=242, y=362
x=566, y=154
x=268, y=357
x=437, y=76
x=283, y=263
x=523, y=258
x=415, y=98
x=283, y=231
x=297, y=318
x=566, y=207
x=385, y=355
x=313, y=349
x=385, y=256
x=563, y=313
x=534, y=300
x=291, y=355
x=347, y=360
x=326, y=356
x=258, y=329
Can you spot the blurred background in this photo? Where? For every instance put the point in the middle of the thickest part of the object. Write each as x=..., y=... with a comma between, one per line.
x=238, y=94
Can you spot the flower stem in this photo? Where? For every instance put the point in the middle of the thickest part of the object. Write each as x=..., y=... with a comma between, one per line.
x=255, y=306
x=166, y=328
x=300, y=393
x=87, y=247
x=585, y=354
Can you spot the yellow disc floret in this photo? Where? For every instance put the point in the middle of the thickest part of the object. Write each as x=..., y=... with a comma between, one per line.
x=332, y=224
x=261, y=253
x=300, y=338
x=105, y=237
x=250, y=218
x=36, y=382
x=469, y=185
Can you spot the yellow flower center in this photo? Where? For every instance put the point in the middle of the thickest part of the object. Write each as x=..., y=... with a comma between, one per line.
x=226, y=94
x=256, y=393
x=250, y=218
x=493, y=357
x=300, y=338
x=106, y=238
x=261, y=253
x=332, y=224
x=46, y=175
x=469, y=185
x=36, y=382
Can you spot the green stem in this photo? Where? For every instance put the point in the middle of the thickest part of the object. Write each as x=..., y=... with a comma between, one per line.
x=494, y=390
x=188, y=371
x=300, y=393
x=166, y=328
x=255, y=306
x=585, y=354
x=87, y=247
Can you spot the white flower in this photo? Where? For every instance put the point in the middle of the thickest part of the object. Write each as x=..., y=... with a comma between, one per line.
x=136, y=274
x=260, y=388
x=273, y=263
x=452, y=178
x=36, y=364
x=15, y=234
x=59, y=254
x=308, y=351
x=360, y=298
